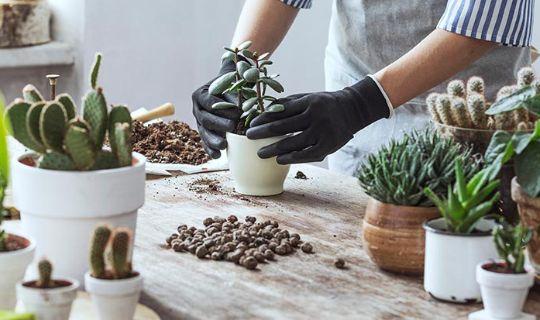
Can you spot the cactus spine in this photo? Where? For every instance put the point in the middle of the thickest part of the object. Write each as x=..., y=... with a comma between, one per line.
x=120, y=250
x=115, y=246
x=459, y=112
x=431, y=101
x=98, y=245
x=456, y=88
x=476, y=106
x=525, y=77
x=444, y=109
x=45, y=269
x=475, y=85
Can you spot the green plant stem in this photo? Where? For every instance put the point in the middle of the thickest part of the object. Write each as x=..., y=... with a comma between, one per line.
x=260, y=102
x=239, y=103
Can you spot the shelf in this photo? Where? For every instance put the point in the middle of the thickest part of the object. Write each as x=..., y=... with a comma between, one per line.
x=49, y=54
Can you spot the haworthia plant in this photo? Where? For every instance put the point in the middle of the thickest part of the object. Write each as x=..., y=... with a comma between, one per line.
x=67, y=141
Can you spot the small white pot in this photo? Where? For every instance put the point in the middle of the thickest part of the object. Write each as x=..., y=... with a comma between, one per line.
x=451, y=259
x=60, y=209
x=114, y=299
x=504, y=294
x=13, y=266
x=252, y=175
x=48, y=304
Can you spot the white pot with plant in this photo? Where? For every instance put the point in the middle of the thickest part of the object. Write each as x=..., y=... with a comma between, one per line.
x=71, y=182
x=16, y=252
x=47, y=298
x=250, y=81
x=115, y=292
x=505, y=283
x=461, y=239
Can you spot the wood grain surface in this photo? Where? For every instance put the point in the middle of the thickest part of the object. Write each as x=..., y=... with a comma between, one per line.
x=326, y=209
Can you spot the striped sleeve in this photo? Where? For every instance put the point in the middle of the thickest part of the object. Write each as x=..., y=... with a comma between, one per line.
x=508, y=22
x=302, y=4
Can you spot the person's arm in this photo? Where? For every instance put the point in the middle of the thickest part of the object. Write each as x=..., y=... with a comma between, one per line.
x=438, y=57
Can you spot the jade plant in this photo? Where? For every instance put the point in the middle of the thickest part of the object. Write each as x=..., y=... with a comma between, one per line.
x=250, y=82
x=65, y=140
x=510, y=243
x=4, y=171
x=398, y=173
x=111, y=247
x=468, y=200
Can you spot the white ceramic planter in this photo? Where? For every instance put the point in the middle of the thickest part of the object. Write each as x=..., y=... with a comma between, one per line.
x=252, y=175
x=114, y=299
x=60, y=209
x=48, y=304
x=451, y=259
x=13, y=266
x=504, y=294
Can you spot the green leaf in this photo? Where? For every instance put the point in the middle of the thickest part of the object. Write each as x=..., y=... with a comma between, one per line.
x=460, y=181
x=273, y=84
x=251, y=75
x=477, y=198
x=514, y=101
x=229, y=49
x=264, y=56
x=527, y=167
x=222, y=83
x=244, y=45
x=227, y=56
x=223, y=105
x=248, y=54
x=475, y=214
x=275, y=108
x=95, y=71
x=533, y=105
x=242, y=66
x=497, y=145
x=249, y=103
x=521, y=140
x=265, y=63
x=236, y=86
x=248, y=93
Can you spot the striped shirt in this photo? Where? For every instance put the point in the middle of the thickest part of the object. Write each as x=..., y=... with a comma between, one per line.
x=508, y=22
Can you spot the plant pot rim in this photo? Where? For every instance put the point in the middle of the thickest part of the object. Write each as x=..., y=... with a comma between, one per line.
x=429, y=209
x=73, y=285
x=30, y=247
x=477, y=130
x=140, y=162
x=430, y=228
x=116, y=281
x=528, y=269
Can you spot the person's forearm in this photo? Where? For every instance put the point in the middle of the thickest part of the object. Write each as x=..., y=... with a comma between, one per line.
x=265, y=22
x=438, y=57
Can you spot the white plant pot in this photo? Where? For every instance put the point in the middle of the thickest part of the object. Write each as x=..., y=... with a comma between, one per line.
x=48, y=304
x=114, y=299
x=451, y=259
x=252, y=175
x=504, y=294
x=60, y=209
x=13, y=266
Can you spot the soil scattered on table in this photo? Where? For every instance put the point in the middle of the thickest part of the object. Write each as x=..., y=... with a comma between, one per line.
x=340, y=263
x=246, y=243
x=300, y=175
x=173, y=142
x=205, y=185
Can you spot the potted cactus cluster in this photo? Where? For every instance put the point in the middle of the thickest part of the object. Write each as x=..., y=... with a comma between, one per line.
x=115, y=290
x=395, y=178
x=16, y=251
x=71, y=182
x=251, y=83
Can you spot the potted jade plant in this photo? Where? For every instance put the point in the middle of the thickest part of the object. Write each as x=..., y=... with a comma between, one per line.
x=70, y=183
x=250, y=82
x=16, y=251
x=115, y=291
x=47, y=298
x=395, y=178
x=505, y=283
x=462, y=238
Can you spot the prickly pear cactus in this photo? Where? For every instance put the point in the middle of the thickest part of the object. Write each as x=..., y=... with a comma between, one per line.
x=444, y=109
x=69, y=105
x=32, y=122
x=122, y=136
x=120, y=250
x=95, y=113
x=100, y=239
x=16, y=113
x=105, y=160
x=45, y=269
x=80, y=147
x=118, y=114
x=56, y=161
x=31, y=94
x=456, y=88
x=95, y=71
x=52, y=125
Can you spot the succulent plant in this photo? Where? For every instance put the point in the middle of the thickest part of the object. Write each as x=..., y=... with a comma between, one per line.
x=66, y=141
x=525, y=77
x=444, y=109
x=475, y=84
x=250, y=81
x=45, y=270
x=399, y=172
x=456, y=88
x=510, y=243
x=468, y=200
x=476, y=106
x=460, y=114
x=118, y=242
x=4, y=173
x=431, y=102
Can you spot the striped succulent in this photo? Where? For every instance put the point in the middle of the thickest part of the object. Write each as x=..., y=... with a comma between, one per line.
x=67, y=141
x=398, y=173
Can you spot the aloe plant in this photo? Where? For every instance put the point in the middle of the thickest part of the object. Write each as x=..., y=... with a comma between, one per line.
x=65, y=140
x=467, y=201
x=4, y=171
x=510, y=243
x=250, y=82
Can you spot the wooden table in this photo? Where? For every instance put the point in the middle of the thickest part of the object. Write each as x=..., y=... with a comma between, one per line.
x=326, y=209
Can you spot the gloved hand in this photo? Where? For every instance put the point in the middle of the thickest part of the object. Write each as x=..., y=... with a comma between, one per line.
x=212, y=124
x=323, y=121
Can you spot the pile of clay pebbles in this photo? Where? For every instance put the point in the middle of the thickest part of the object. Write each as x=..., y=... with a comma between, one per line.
x=244, y=243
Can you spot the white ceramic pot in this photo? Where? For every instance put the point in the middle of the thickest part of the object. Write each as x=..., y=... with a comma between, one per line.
x=504, y=294
x=48, y=304
x=60, y=209
x=13, y=266
x=451, y=259
x=252, y=175
x=114, y=299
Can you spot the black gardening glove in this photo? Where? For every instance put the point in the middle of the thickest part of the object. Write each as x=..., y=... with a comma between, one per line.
x=212, y=124
x=325, y=121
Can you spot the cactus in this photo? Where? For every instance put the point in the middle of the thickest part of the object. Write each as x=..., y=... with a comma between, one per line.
x=80, y=147
x=122, y=136
x=522, y=126
x=444, y=109
x=505, y=92
x=520, y=115
x=431, y=102
x=52, y=124
x=95, y=113
x=120, y=250
x=45, y=269
x=105, y=160
x=476, y=106
x=456, y=88
x=95, y=71
x=32, y=122
x=69, y=105
x=118, y=114
x=100, y=239
x=525, y=77
x=475, y=85
x=459, y=112
x=504, y=121
x=56, y=161
x=31, y=94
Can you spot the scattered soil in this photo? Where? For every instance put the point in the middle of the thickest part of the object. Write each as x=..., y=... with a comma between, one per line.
x=55, y=284
x=173, y=142
x=14, y=243
x=300, y=175
x=205, y=185
x=340, y=263
x=498, y=267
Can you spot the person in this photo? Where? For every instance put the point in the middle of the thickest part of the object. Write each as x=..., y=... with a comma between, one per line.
x=380, y=55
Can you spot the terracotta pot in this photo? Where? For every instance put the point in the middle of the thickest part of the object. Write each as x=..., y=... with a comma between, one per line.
x=529, y=212
x=393, y=236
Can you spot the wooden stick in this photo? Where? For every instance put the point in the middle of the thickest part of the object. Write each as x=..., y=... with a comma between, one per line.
x=164, y=110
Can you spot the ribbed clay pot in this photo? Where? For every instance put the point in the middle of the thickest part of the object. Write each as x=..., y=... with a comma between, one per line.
x=393, y=236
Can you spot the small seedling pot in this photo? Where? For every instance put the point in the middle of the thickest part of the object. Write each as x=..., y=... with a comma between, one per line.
x=114, y=299
x=252, y=175
x=48, y=304
x=503, y=294
x=451, y=260
x=13, y=266
x=60, y=209
x=393, y=236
